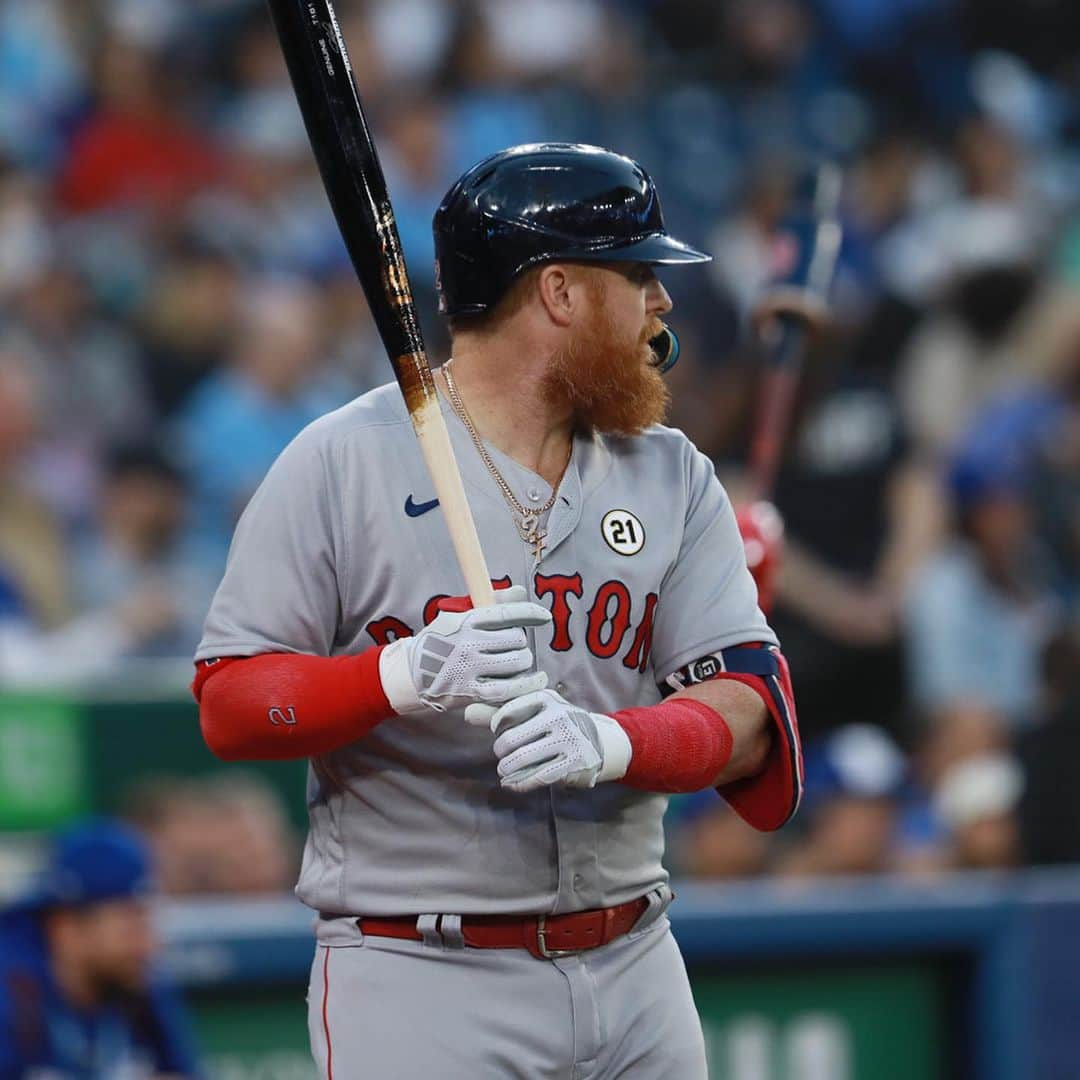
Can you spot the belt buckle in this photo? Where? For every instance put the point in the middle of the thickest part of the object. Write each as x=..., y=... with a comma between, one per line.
x=541, y=942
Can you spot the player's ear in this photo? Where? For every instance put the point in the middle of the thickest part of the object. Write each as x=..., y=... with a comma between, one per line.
x=559, y=293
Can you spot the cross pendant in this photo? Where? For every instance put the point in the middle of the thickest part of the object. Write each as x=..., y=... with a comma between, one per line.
x=533, y=534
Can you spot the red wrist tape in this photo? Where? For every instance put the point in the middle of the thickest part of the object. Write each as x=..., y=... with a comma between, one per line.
x=279, y=706
x=680, y=745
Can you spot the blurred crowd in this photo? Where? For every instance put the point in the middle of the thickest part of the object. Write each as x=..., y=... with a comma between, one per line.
x=176, y=303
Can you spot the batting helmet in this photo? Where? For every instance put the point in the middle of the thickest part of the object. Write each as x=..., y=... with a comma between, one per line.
x=541, y=202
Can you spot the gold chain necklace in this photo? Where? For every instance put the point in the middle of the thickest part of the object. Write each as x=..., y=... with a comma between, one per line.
x=526, y=520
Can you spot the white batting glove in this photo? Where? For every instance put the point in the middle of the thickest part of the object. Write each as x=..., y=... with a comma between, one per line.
x=463, y=657
x=541, y=739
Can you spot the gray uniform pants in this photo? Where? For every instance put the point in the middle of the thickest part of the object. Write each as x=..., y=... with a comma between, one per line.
x=383, y=1009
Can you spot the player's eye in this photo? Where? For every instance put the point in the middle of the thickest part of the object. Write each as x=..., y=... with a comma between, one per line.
x=640, y=274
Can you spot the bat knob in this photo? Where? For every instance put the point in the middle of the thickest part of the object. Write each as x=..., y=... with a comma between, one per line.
x=665, y=347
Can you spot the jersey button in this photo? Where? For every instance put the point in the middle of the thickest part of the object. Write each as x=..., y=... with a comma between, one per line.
x=560, y=687
x=534, y=494
x=579, y=881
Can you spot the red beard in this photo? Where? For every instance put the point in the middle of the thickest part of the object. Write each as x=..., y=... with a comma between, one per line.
x=606, y=377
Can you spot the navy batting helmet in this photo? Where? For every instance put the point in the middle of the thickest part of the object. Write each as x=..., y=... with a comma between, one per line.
x=542, y=202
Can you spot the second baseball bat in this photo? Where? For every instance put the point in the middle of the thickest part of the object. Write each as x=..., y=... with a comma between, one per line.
x=788, y=311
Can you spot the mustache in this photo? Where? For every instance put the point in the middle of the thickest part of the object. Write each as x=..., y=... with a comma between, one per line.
x=653, y=327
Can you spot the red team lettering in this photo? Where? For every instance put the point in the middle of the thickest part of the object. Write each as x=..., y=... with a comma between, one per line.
x=608, y=619
x=559, y=586
x=641, y=647
x=601, y=616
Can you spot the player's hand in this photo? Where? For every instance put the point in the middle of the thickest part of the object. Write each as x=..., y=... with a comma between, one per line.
x=541, y=739
x=465, y=656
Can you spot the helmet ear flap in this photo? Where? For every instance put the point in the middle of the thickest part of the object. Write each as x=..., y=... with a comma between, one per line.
x=665, y=347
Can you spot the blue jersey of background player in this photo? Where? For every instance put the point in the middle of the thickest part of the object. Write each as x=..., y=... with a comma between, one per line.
x=78, y=997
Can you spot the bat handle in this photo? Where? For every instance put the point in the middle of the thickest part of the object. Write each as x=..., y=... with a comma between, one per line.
x=438, y=453
x=777, y=397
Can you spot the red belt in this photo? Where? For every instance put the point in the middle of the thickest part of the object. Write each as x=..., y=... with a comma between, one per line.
x=545, y=936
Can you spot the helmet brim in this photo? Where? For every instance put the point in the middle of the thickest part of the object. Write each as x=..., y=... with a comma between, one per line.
x=657, y=250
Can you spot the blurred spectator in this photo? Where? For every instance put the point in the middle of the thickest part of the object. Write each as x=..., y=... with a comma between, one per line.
x=566, y=39
x=746, y=252
x=141, y=544
x=136, y=148
x=240, y=418
x=354, y=349
x=411, y=38
x=969, y=733
x=257, y=845
x=979, y=613
x=89, y=380
x=39, y=644
x=180, y=825
x=1050, y=808
x=977, y=801
x=854, y=781
x=709, y=840
x=973, y=261
x=490, y=108
x=221, y=835
x=860, y=515
x=273, y=216
x=417, y=161
x=187, y=322
x=26, y=231
x=1055, y=448
x=79, y=995
x=42, y=77
x=32, y=556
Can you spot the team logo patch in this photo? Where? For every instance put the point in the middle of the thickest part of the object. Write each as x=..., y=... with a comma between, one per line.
x=704, y=669
x=623, y=532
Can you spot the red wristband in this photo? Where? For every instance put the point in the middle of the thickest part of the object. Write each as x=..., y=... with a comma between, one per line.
x=278, y=706
x=680, y=745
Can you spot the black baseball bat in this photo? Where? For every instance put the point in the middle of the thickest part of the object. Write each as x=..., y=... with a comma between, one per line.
x=322, y=78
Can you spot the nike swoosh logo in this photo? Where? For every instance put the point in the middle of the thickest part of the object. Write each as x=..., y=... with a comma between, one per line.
x=416, y=509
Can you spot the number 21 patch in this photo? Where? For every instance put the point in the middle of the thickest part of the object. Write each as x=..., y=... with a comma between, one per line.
x=623, y=532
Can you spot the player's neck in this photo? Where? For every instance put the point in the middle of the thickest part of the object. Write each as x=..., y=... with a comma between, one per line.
x=502, y=391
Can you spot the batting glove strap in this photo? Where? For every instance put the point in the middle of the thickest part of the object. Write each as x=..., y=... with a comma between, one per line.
x=615, y=748
x=395, y=674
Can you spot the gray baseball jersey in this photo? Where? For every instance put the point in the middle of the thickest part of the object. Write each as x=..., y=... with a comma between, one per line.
x=342, y=547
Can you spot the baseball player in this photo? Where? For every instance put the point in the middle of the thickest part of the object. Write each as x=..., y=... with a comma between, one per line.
x=487, y=787
x=80, y=996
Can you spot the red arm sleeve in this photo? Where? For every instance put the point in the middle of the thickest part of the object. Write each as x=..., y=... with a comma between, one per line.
x=678, y=746
x=279, y=706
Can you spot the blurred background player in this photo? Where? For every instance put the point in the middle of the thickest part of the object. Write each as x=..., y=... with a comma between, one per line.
x=78, y=993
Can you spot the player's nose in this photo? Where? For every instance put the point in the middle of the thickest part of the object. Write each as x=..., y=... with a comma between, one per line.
x=657, y=300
